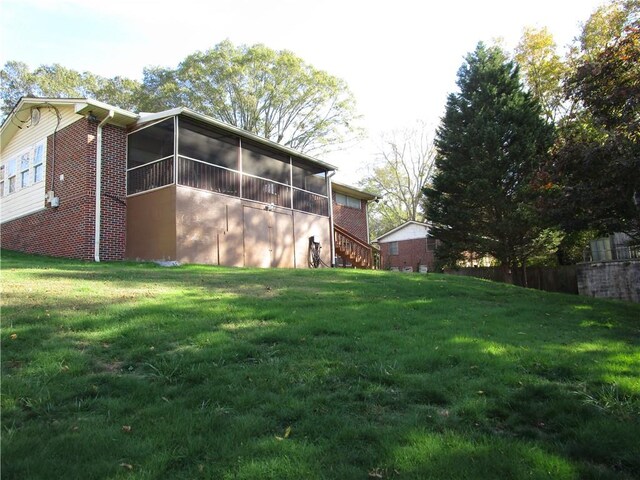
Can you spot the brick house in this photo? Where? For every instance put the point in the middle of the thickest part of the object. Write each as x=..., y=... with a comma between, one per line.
x=409, y=247
x=351, y=221
x=83, y=179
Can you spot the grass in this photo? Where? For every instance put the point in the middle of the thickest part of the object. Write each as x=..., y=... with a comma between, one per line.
x=136, y=371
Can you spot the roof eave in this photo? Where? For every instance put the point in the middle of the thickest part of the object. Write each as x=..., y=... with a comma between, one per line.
x=400, y=227
x=354, y=192
x=82, y=106
x=145, y=118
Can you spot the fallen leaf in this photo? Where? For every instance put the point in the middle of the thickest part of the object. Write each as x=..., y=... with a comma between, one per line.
x=126, y=428
x=128, y=466
x=287, y=432
x=13, y=336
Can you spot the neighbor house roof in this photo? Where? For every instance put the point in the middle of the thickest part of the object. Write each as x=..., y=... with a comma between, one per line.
x=410, y=224
x=353, y=191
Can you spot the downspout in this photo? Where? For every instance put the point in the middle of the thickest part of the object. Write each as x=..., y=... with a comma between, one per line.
x=332, y=238
x=96, y=236
x=366, y=217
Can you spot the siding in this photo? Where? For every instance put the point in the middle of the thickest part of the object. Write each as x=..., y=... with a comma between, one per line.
x=31, y=199
x=408, y=232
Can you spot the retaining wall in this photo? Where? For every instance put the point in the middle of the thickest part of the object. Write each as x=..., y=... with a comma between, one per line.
x=616, y=279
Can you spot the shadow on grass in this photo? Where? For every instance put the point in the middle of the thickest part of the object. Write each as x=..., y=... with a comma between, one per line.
x=233, y=373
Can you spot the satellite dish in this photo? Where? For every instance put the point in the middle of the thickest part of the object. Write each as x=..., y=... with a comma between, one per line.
x=35, y=116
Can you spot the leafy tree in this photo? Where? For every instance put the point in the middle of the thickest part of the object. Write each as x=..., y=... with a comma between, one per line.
x=489, y=144
x=595, y=169
x=274, y=94
x=403, y=168
x=543, y=70
x=15, y=81
x=57, y=81
x=605, y=24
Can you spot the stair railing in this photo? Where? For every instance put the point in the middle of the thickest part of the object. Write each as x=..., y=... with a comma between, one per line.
x=360, y=253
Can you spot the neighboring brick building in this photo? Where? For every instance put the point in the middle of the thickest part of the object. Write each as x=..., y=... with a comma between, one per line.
x=408, y=247
x=173, y=185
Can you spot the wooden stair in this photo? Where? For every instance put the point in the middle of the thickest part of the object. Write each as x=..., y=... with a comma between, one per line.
x=359, y=253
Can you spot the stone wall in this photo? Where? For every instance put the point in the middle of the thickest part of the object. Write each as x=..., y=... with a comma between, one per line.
x=617, y=279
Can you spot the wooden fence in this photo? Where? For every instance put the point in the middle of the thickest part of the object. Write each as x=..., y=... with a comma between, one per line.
x=551, y=279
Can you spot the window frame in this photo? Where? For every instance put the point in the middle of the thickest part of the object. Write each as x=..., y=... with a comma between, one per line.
x=348, y=201
x=394, y=248
x=25, y=168
x=12, y=172
x=38, y=162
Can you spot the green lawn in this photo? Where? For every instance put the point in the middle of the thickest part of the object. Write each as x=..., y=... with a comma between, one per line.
x=135, y=371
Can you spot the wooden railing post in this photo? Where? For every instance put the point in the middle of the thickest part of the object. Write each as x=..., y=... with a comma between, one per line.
x=359, y=252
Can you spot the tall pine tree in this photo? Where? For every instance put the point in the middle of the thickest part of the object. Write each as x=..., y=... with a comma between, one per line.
x=489, y=144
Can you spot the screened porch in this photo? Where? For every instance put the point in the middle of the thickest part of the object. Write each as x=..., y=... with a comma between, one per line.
x=186, y=151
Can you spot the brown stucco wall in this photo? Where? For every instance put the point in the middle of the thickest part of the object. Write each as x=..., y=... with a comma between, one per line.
x=195, y=226
x=306, y=225
x=208, y=228
x=222, y=230
x=268, y=237
x=151, y=225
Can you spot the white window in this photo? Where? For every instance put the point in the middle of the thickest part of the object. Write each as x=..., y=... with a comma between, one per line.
x=23, y=170
x=347, y=201
x=12, y=170
x=25, y=163
x=393, y=248
x=38, y=163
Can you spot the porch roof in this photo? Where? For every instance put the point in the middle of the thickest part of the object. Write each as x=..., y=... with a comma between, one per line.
x=152, y=117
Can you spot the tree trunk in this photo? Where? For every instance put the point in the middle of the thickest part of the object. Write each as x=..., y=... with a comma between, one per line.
x=507, y=277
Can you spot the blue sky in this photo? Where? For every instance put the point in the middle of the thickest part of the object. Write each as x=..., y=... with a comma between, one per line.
x=399, y=57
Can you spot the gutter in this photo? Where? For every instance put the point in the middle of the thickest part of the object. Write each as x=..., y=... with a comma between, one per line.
x=332, y=237
x=96, y=236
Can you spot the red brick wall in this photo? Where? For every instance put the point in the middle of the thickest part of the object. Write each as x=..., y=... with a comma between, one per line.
x=68, y=230
x=411, y=253
x=353, y=220
x=113, y=236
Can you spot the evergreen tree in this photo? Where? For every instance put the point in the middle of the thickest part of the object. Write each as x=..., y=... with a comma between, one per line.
x=489, y=144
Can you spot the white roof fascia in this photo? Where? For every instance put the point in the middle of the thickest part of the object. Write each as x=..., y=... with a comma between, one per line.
x=144, y=118
x=355, y=192
x=89, y=102
x=152, y=117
